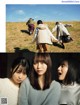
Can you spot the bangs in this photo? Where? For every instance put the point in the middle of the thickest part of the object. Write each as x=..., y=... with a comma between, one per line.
x=40, y=58
x=63, y=62
x=15, y=69
x=19, y=68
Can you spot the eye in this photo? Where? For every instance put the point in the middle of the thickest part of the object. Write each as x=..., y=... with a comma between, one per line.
x=21, y=71
x=42, y=62
x=62, y=65
x=35, y=62
x=18, y=71
x=24, y=72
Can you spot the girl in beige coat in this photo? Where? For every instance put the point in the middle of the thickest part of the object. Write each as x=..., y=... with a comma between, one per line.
x=43, y=37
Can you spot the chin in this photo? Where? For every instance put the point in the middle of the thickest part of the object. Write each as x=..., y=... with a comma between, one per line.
x=40, y=74
x=19, y=82
x=60, y=79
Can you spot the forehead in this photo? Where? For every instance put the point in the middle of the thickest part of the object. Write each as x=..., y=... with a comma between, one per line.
x=64, y=63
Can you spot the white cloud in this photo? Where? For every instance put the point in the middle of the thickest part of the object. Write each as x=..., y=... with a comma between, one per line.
x=20, y=12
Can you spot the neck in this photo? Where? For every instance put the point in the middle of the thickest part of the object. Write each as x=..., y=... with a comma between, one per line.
x=41, y=81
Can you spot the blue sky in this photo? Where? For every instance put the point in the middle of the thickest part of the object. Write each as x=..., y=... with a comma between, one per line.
x=45, y=12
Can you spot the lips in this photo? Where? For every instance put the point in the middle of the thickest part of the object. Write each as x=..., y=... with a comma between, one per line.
x=59, y=74
x=19, y=81
x=39, y=70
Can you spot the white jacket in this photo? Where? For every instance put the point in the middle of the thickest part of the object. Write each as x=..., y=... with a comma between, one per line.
x=62, y=29
x=43, y=35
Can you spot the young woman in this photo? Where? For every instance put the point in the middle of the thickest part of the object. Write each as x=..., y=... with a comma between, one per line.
x=62, y=33
x=69, y=76
x=43, y=37
x=9, y=87
x=31, y=25
x=39, y=89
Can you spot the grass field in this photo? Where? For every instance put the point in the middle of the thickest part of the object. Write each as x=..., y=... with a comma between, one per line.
x=17, y=38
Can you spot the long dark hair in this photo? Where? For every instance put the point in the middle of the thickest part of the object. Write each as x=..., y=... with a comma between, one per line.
x=20, y=61
x=73, y=74
x=41, y=57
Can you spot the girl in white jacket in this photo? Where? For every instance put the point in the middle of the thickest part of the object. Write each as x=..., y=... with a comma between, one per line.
x=43, y=37
x=62, y=33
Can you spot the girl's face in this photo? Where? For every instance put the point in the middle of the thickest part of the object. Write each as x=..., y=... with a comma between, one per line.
x=62, y=70
x=19, y=75
x=40, y=68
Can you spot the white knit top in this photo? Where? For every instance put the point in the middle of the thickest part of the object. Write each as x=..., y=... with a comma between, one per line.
x=70, y=94
x=9, y=90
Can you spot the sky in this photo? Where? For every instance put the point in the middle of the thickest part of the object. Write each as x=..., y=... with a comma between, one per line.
x=45, y=12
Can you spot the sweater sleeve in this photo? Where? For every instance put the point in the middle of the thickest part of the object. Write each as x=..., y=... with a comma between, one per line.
x=53, y=95
x=51, y=35
x=56, y=94
x=23, y=93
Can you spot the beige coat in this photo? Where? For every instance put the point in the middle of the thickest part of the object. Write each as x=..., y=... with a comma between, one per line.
x=43, y=34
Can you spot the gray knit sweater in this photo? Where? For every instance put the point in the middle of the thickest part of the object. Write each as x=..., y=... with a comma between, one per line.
x=70, y=95
x=30, y=96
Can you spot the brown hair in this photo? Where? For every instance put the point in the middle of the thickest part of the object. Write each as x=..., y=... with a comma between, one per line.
x=41, y=57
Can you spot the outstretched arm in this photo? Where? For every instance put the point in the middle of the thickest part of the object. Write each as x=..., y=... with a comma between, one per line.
x=53, y=38
x=54, y=29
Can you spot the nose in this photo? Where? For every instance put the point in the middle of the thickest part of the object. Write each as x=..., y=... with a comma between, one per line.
x=59, y=68
x=38, y=65
x=20, y=76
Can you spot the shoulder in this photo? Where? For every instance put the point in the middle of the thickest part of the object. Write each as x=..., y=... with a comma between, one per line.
x=42, y=26
x=71, y=88
x=56, y=84
x=2, y=80
x=46, y=25
x=25, y=86
x=55, y=88
x=26, y=82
